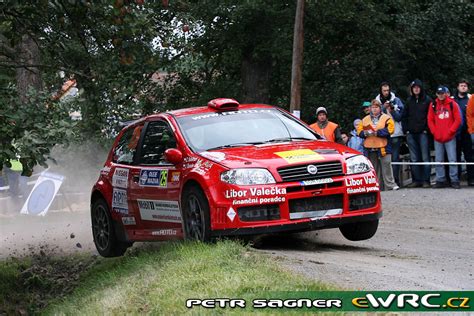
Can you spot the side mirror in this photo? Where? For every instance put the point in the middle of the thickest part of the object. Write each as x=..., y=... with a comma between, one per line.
x=174, y=156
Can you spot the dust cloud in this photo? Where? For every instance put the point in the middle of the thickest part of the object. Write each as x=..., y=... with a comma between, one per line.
x=66, y=228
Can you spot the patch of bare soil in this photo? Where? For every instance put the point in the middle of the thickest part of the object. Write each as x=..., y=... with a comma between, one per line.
x=28, y=284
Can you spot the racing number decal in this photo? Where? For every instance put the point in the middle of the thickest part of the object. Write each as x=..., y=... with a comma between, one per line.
x=164, y=178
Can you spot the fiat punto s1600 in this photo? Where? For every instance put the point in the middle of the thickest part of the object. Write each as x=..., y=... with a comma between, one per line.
x=229, y=169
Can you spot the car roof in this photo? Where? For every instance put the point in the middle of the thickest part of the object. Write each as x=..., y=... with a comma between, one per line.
x=206, y=109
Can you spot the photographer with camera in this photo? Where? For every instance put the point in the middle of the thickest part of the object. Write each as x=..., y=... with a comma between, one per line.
x=393, y=107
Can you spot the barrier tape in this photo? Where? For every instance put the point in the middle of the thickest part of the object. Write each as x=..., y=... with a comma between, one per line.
x=432, y=163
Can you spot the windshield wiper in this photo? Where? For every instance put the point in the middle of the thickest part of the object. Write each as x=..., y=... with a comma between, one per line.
x=234, y=145
x=286, y=139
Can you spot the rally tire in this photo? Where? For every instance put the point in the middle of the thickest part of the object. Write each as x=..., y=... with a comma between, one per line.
x=105, y=239
x=359, y=231
x=196, y=217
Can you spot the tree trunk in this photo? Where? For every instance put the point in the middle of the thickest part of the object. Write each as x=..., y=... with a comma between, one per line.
x=297, y=64
x=28, y=53
x=256, y=81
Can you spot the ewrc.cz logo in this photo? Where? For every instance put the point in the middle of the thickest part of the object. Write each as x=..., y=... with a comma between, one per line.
x=402, y=301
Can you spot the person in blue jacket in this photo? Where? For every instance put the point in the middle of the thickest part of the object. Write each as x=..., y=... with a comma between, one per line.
x=356, y=142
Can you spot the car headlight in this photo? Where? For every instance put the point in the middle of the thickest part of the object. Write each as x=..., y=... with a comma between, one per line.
x=247, y=176
x=358, y=164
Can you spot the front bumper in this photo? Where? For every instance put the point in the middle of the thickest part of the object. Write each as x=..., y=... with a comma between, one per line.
x=293, y=206
x=297, y=227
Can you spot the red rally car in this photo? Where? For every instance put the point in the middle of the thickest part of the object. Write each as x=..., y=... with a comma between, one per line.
x=229, y=169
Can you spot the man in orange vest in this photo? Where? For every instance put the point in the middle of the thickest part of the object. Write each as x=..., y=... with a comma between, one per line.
x=328, y=130
x=376, y=129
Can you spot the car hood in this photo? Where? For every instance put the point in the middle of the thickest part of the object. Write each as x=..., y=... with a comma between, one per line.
x=272, y=156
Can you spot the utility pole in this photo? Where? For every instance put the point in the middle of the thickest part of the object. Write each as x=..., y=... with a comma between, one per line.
x=297, y=64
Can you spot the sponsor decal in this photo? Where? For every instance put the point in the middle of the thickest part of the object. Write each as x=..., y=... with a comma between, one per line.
x=216, y=156
x=206, y=116
x=120, y=178
x=254, y=192
x=362, y=190
x=105, y=171
x=299, y=155
x=361, y=181
x=159, y=210
x=175, y=175
x=262, y=200
x=317, y=181
x=154, y=178
x=165, y=232
x=256, y=195
x=315, y=215
x=231, y=214
x=188, y=162
x=203, y=166
x=120, y=201
x=128, y=220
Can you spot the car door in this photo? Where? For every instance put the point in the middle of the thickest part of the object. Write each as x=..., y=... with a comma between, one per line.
x=154, y=189
x=119, y=176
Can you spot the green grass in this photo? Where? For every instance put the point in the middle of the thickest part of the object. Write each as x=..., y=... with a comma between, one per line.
x=159, y=281
x=154, y=279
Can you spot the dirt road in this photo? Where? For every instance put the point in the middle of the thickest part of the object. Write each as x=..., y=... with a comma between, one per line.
x=425, y=241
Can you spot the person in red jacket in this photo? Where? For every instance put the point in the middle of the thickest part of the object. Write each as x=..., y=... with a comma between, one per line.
x=444, y=119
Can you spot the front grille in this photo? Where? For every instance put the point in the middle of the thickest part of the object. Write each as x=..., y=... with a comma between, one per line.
x=317, y=203
x=259, y=213
x=362, y=201
x=300, y=172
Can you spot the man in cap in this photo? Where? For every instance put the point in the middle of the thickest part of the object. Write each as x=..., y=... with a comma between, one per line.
x=366, y=107
x=444, y=119
x=464, y=143
x=415, y=126
x=327, y=129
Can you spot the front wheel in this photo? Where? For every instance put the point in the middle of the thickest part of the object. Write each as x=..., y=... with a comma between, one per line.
x=359, y=231
x=196, y=215
x=103, y=231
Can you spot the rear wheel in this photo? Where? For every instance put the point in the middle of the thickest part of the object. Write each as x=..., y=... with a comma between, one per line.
x=359, y=231
x=103, y=231
x=196, y=215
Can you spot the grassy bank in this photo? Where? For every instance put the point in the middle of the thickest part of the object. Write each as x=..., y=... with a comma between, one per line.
x=158, y=280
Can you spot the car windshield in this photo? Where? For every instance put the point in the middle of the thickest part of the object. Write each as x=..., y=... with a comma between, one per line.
x=210, y=131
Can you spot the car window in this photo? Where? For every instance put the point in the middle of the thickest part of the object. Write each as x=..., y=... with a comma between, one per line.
x=125, y=150
x=158, y=138
x=211, y=130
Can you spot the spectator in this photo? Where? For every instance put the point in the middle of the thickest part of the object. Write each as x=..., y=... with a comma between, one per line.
x=393, y=106
x=464, y=143
x=444, y=119
x=470, y=117
x=376, y=128
x=355, y=142
x=345, y=138
x=366, y=107
x=415, y=126
x=328, y=130
x=16, y=182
